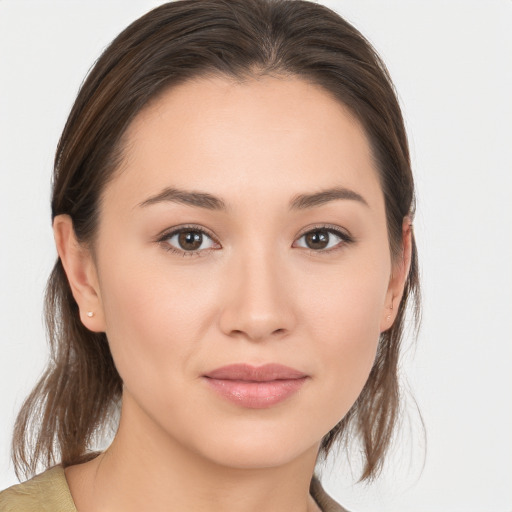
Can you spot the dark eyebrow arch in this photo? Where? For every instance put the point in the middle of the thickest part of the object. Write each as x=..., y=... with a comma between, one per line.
x=303, y=201
x=210, y=202
x=199, y=199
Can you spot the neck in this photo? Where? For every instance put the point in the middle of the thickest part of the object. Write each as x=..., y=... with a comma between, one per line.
x=146, y=469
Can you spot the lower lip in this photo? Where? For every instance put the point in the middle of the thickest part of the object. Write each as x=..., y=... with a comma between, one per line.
x=256, y=395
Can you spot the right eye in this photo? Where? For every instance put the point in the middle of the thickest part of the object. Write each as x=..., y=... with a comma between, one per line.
x=188, y=241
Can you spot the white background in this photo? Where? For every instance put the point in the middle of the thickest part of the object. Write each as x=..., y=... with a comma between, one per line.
x=452, y=64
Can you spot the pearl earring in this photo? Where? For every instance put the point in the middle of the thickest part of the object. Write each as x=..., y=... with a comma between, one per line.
x=90, y=314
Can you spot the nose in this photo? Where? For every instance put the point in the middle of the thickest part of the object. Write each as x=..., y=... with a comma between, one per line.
x=258, y=303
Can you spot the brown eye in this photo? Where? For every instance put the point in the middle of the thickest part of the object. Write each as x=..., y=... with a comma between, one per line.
x=317, y=239
x=323, y=239
x=190, y=240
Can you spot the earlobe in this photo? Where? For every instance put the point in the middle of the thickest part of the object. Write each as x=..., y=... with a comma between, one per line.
x=81, y=273
x=398, y=278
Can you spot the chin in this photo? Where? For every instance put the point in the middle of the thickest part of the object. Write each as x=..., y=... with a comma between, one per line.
x=260, y=450
x=252, y=458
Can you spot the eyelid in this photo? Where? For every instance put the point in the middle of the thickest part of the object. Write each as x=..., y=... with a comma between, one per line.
x=327, y=227
x=167, y=233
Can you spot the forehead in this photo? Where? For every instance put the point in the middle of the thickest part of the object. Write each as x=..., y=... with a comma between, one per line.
x=270, y=137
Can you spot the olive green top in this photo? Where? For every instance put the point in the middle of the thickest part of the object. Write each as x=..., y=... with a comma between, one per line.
x=49, y=492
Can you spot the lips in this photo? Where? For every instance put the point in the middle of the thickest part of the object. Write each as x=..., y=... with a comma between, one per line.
x=256, y=387
x=263, y=373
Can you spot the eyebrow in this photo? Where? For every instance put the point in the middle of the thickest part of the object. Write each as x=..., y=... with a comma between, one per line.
x=211, y=202
x=303, y=201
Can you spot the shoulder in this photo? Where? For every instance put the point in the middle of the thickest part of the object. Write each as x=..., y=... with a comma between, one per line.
x=47, y=492
x=324, y=501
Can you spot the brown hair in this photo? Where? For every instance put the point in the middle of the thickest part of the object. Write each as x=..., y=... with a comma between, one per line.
x=170, y=45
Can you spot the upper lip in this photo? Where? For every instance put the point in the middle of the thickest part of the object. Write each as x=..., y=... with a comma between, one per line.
x=246, y=372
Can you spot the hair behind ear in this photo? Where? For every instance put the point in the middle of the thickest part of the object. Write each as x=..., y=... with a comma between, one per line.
x=373, y=417
x=74, y=395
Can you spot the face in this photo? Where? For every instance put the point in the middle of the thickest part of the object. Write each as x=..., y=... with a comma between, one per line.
x=246, y=226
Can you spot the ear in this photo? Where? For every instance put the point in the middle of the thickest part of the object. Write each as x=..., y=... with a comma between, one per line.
x=81, y=272
x=399, y=274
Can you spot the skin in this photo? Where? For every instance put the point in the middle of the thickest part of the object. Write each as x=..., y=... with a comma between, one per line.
x=255, y=293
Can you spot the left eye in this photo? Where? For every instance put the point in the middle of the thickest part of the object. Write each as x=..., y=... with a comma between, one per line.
x=190, y=240
x=321, y=239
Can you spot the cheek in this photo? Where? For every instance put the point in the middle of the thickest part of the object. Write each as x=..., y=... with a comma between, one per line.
x=348, y=304
x=155, y=318
x=346, y=321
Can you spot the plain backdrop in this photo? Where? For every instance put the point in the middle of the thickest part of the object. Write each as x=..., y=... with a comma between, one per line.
x=451, y=62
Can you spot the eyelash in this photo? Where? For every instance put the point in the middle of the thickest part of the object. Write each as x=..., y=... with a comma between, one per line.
x=345, y=240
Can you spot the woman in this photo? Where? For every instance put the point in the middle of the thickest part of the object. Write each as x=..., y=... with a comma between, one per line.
x=232, y=209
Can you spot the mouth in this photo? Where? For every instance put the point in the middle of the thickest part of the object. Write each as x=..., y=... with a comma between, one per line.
x=256, y=387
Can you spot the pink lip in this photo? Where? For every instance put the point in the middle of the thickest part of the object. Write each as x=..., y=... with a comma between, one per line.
x=256, y=387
